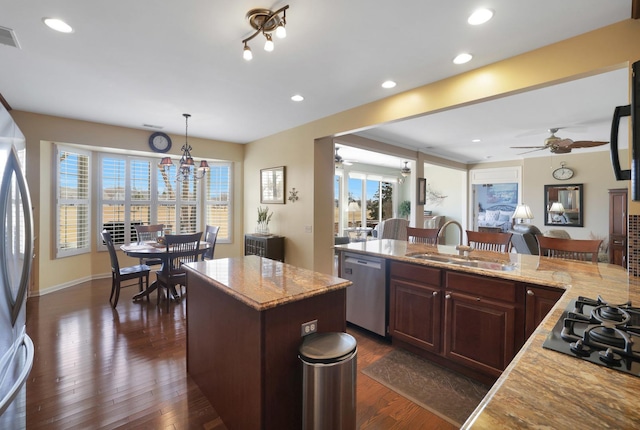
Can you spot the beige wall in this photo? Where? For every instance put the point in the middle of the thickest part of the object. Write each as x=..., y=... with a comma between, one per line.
x=602, y=50
x=592, y=169
x=307, y=151
x=40, y=131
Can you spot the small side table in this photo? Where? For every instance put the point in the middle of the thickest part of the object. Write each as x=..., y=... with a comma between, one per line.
x=268, y=246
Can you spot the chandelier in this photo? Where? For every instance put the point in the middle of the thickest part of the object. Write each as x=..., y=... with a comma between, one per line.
x=405, y=171
x=266, y=22
x=187, y=165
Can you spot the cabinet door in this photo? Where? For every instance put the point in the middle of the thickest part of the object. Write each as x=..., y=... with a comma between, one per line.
x=414, y=314
x=539, y=302
x=479, y=332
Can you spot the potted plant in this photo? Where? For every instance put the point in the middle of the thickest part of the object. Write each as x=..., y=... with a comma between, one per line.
x=404, y=209
x=263, y=220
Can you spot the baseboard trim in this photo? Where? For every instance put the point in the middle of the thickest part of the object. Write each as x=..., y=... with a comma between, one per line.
x=65, y=285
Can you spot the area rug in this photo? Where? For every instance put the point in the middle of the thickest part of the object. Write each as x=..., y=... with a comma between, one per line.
x=447, y=394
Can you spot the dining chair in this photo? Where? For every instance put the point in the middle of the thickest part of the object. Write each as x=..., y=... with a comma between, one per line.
x=147, y=233
x=210, y=236
x=181, y=248
x=428, y=236
x=486, y=241
x=123, y=274
x=569, y=249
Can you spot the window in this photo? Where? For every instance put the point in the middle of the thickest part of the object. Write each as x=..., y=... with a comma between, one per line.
x=73, y=201
x=362, y=200
x=218, y=199
x=135, y=190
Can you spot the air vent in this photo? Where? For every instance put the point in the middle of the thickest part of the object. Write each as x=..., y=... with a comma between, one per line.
x=8, y=37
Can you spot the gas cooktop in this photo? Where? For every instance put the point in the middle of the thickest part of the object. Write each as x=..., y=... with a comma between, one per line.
x=599, y=332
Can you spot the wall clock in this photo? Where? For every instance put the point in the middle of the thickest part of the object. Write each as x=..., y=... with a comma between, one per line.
x=563, y=173
x=160, y=142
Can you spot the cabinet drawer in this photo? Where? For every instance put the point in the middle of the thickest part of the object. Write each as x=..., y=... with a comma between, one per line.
x=481, y=286
x=415, y=272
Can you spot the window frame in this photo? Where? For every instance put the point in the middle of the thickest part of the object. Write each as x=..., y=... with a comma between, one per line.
x=62, y=252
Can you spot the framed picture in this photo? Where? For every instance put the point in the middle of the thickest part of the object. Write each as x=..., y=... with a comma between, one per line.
x=272, y=185
x=422, y=191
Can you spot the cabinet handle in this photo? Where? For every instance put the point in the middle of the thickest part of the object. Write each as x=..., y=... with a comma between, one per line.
x=477, y=299
x=618, y=242
x=530, y=293
x=448, y=296
x=435, y=293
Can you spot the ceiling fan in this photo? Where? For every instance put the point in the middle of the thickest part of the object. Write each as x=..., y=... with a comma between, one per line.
x=558, y=145
x=339, y=161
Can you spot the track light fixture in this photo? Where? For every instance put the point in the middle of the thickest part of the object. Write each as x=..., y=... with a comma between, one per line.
x=266, y=22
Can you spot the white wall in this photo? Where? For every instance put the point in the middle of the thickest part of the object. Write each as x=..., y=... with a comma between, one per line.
x=451, y=183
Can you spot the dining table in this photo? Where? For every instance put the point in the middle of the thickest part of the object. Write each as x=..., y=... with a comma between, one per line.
x=155, y=250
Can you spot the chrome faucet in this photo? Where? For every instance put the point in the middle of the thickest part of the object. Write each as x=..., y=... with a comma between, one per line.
x=460, y=247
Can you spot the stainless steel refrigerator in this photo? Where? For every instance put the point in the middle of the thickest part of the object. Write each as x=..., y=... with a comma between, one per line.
x=16, y=256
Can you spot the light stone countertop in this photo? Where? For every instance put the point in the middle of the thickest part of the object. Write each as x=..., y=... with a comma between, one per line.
x=261, y=283
x=543, y=388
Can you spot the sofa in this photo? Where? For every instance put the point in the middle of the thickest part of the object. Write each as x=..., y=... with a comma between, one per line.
x=524, y=240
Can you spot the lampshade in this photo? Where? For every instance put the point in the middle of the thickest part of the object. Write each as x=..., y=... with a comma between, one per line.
x=522, y=212
x=556, y=207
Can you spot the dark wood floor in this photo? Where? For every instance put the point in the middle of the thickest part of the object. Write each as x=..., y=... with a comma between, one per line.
x=96, y=367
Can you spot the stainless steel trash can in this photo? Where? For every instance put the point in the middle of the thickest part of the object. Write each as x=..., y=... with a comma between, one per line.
x=328, y=381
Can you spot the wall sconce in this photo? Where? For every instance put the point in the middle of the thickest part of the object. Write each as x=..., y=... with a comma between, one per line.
x=266, y=22
x=293, y=195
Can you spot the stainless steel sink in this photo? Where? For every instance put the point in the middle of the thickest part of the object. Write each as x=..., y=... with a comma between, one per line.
x=466, y=261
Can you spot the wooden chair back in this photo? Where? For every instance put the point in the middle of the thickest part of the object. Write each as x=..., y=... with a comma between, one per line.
x=149, y=232
x=184, y=248
x=210, y=236
x=569, y=249
x=485, y=241
x=119, y=274
x=427, y=236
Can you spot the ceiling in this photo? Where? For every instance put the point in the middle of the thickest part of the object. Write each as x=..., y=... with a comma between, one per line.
x=145, y=62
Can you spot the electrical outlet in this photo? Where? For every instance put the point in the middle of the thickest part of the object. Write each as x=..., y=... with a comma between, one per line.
x=309, y=327
x=308, y=229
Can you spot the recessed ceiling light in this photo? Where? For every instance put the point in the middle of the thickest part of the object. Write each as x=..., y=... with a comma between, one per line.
x=388, y=84
x=57, y=25
x=297, y=98
x=463, y=58
x=488, y=157
x=480, y=16
x=476, y=140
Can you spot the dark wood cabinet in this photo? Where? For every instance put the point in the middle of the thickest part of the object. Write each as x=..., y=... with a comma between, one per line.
x=483, y=321
x=618, y=226
x=472, y=323
x=538, y=303
x=264, y=246
x=416, y=297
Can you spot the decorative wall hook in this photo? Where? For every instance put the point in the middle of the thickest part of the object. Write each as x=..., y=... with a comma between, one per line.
x=293, y=195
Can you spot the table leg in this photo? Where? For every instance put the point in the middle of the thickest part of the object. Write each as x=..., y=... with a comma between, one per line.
x=150, y=289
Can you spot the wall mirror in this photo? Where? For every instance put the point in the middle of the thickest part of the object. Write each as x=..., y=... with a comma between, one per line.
x=563, y=205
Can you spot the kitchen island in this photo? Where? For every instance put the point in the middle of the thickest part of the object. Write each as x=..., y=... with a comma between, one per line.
x=244, y=318
x=542, y=387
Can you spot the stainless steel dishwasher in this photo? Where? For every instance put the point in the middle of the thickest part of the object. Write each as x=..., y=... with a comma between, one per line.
x=367, y=297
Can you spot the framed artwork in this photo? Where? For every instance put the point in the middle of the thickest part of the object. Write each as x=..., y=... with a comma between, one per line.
x=422, y=191
x=272, y=185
